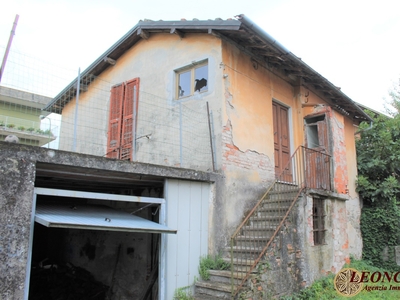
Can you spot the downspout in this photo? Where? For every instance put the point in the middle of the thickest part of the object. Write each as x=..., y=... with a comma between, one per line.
x=366, y=129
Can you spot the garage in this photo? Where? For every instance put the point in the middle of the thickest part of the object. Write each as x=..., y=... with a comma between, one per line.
x=95, y=242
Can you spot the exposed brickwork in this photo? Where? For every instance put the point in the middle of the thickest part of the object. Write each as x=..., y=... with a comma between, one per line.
x=251, y=160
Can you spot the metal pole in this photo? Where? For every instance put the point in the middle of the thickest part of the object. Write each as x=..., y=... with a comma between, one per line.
x=134, y=122
x=180, y=135
x=12, y=33
x=209, y=131
x=78, y=87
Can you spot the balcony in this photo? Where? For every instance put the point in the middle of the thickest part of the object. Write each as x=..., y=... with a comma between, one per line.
x=28, y=132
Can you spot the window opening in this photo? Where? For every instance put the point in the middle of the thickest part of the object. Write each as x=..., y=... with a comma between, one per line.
x=192, y=79
x=316, y=133
x=318, y=216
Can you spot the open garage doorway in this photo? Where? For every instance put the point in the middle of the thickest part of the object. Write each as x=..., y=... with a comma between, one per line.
x=87, y=244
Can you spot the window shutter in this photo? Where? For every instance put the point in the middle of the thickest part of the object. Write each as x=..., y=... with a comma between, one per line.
x=323, y=135
x=130, y=108
x=115, y=119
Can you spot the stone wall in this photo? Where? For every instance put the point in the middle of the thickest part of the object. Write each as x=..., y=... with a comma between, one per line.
x=293, y=261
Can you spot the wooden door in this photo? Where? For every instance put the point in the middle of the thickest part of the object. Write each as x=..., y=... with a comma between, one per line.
x=281, y=141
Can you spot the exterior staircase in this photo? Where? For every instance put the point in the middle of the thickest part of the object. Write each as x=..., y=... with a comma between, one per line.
x=306, y=168
x=253, y=237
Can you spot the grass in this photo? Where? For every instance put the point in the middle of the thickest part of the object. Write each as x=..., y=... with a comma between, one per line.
x=209, y=262
x=323, y=289
x=183, y=293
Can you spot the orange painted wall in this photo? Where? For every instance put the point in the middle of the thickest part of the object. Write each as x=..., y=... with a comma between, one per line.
x=249, y=92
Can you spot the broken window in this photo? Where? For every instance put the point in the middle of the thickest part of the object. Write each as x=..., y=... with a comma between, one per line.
x=193, y=79
x=317, y=133
x=122, y=119
x=318, y=216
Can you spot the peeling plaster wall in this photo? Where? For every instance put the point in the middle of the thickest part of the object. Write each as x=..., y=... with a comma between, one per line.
x=248, y=162
x=293, y=261
x=353, y=206
x=330, y=257
x=247, y=133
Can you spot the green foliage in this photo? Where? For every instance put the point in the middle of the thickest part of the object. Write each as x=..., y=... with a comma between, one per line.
x=183, y=293
x=47, y=132
x=378, y=183
x=10, y=125
x=22, y=128
x=209, y=262
x=379, y=227
x=30, y=129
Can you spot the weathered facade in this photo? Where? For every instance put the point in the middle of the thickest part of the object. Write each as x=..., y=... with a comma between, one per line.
x=270, y=114
x=123, y=260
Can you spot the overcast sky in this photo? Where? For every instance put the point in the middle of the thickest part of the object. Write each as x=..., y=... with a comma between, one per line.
x=354, y=44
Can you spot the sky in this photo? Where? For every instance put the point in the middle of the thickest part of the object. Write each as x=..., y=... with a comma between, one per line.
x=354, y=44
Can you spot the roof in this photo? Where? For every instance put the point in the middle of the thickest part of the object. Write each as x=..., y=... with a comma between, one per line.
x=242, y=32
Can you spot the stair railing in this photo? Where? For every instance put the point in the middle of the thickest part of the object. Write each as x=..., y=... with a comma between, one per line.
x=306, y=168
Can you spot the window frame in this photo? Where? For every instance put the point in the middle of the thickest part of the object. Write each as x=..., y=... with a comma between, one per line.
x=192, y=67
x=318, y=221
x=317, y=129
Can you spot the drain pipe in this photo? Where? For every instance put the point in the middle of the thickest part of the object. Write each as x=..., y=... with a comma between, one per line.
x=366, y=129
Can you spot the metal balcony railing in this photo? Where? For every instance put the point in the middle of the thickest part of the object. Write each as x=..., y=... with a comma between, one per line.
x=29, y=132
x=307, y=168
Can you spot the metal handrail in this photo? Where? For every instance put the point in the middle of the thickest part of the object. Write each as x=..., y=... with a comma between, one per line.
x=250, y=240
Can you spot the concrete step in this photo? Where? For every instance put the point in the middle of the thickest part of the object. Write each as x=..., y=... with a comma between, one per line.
x=262, y=218
x=224, y=276
x=217, y=290
x=252, y=241
x=204, y=297
x=266, y=231
x=273, y=208
x=249, y=253
x=240, y=265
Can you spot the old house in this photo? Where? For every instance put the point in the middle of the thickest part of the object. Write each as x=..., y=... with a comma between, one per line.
x=255, y=153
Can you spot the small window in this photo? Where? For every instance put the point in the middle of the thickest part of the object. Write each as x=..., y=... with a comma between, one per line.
x=318, y=216
x=192, y=80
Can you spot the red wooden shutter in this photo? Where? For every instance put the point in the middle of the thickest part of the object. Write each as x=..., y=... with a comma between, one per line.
x=115, y=121
x=130, y=108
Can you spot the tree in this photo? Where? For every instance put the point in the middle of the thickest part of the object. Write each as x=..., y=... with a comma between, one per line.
x=378, y=159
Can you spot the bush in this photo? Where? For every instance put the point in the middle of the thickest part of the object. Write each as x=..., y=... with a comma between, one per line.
x=209, y=262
